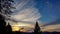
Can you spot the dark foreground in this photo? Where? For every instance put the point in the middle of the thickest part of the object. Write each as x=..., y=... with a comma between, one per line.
x=34, y=33
x=30, y=33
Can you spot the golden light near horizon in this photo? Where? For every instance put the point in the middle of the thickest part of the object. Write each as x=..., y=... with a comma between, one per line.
x=15, y=28
x=18, y=26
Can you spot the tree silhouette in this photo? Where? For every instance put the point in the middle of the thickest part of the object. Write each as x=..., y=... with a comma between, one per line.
x=9, y=28
x=2, y=24
x=37, y=28
x=6, y=6
x=5, y=11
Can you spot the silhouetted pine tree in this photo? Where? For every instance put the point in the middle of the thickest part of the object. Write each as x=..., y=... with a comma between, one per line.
x=9, y=29
x=37, y=29
x=2, y=25
x=5, y=11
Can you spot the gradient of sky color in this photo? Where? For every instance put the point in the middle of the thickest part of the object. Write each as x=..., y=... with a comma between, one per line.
x=46, y=12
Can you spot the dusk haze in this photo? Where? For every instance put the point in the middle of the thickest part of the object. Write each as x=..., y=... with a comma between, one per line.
x=30, y=16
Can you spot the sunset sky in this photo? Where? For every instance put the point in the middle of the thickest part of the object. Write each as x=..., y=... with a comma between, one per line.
x=46, y=12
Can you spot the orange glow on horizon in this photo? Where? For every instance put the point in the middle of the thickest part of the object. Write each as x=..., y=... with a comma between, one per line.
x=15, y=28
x=20, y=27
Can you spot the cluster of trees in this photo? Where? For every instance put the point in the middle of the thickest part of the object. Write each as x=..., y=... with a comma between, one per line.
x=6, y=6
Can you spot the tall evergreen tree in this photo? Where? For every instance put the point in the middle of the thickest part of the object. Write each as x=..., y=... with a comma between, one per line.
x=5, y=11
x=9, y=29
x=6, y=6
x=37, y=28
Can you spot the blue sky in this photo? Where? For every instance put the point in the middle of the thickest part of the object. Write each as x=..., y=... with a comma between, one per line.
x=49, y=9
x=45, y=11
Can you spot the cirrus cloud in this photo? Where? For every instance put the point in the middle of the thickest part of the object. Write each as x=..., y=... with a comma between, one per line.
x=29, y=14
x=25, y=11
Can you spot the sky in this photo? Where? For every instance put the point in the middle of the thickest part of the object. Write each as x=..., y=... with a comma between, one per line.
x=46, y=12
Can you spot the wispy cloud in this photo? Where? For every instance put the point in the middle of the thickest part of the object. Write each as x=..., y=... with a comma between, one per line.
x=25, y=11
x=51, y=28
x=29, y=14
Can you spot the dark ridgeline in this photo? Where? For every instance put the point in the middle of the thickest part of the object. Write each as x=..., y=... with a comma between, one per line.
x=37, y=29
